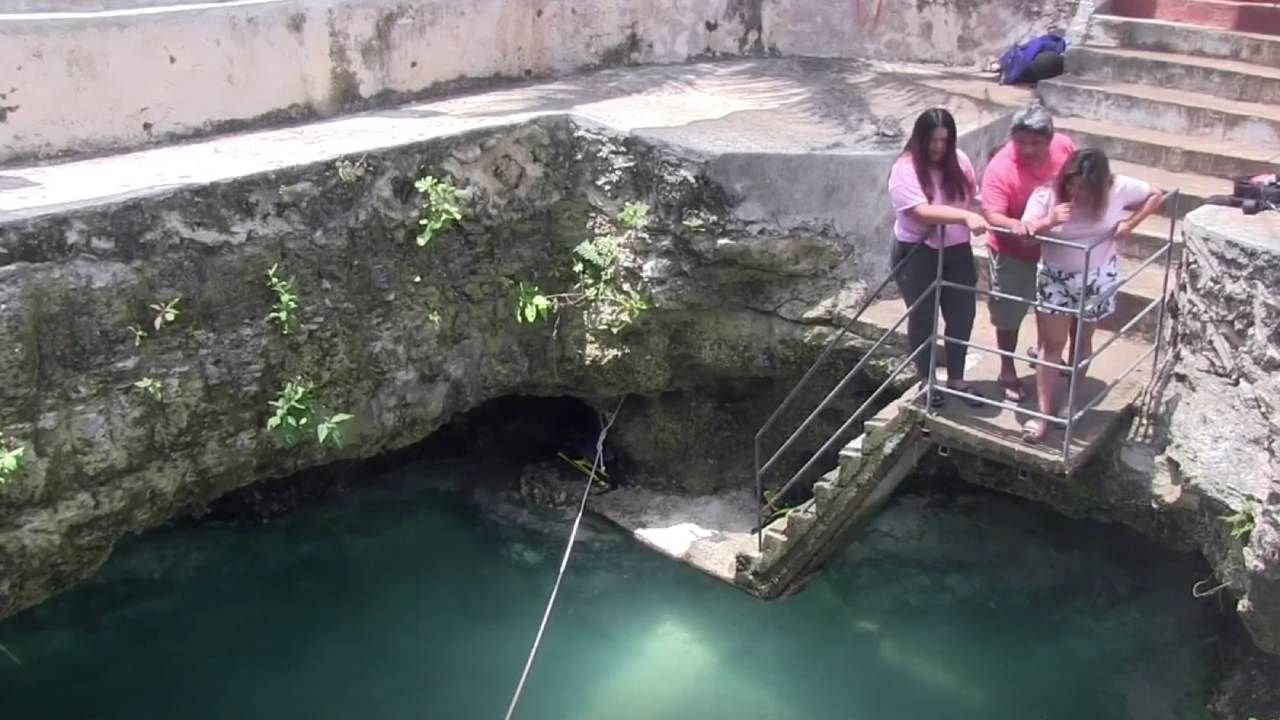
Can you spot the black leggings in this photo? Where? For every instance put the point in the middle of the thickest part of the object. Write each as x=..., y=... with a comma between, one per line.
x=914, y=278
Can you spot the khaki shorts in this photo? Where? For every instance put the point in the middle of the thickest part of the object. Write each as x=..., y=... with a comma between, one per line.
x=1010, y=276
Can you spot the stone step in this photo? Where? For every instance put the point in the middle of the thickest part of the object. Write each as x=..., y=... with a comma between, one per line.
x=1228, y=79
x=1164, y=36
x=1179, y=153
x=1195, y=188
x=1149, y=237
x=1257, y=17
x=1131, y=299
x=1162, y=109
x=850, y=459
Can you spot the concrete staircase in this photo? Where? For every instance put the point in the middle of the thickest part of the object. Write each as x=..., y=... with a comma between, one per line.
x=1179, y=104
x=870, y=468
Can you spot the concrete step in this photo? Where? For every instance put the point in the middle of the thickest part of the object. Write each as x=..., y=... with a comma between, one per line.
x=1149, y=237
x=1228, y=79
x=1256, y=17
x=1178, y=153
x=1164, y=36
x=1169, y=111
x=1132, y=298
x=1195, y=188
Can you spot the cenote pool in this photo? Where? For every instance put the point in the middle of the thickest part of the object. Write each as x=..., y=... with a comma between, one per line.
x=403, y=600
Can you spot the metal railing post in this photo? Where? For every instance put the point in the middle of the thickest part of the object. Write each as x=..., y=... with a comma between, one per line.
x=1075, y=358
x=1164, y=287
x=759, y=498
x=937, y=309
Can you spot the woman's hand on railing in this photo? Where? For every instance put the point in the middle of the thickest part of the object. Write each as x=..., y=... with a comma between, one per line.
x=976, y=223
x=1125, y=227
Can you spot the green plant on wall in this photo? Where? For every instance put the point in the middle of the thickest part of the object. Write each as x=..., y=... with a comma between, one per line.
x=138, y=334
x=151, y=387
x=440, y=208
x=532, y=304
x=608, y=300
x=293, y=417
x=634, y=216
x=292, y=414
x=1241, y=523
x=284, y=313
x=329, y=430
x=166, y=313
x=12, y=459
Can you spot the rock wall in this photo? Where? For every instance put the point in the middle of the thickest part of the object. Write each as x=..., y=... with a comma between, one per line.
x=1224, y=401
x=72, y=72
x=402, y=337
x=1199, y=468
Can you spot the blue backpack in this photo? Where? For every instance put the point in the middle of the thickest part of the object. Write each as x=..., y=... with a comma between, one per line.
x=1015, y=62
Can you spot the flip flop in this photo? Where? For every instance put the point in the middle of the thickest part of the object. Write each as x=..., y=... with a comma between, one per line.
x=1034, y=431
x=1013, y=392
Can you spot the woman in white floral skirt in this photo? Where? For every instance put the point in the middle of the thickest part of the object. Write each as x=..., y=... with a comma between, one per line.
x=1089, y=206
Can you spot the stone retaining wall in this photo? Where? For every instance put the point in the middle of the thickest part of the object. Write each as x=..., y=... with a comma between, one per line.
x=137, y=73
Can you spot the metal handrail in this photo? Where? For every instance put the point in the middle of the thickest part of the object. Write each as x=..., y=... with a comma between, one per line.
x=804, y=379
x=849, y=376
x=1078, y=363
x=931, y=384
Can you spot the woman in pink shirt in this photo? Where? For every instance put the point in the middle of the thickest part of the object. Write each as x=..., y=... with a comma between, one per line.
x=1089, y=206
x=932, y=187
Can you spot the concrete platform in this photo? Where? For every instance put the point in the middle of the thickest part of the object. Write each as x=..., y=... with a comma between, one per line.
x=996, y=433
x=784, y=107
x=707, y=532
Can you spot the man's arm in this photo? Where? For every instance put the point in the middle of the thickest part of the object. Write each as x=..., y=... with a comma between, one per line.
x=995, y=204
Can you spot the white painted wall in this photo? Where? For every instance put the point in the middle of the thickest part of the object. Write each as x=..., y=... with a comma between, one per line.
x=100, y=80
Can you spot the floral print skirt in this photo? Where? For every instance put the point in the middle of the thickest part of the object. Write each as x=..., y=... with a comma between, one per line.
x=1063, y=287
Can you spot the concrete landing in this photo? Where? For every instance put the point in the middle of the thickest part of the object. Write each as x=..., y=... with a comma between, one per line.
x=707, y=532
x=996, y=432
x=782, y=106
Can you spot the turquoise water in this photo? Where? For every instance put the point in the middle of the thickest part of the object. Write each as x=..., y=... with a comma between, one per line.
x=400, y=601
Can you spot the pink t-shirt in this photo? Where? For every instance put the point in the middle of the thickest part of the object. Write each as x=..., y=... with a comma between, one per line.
x=905, y=193
x=1096, y=233
x=1007, y=185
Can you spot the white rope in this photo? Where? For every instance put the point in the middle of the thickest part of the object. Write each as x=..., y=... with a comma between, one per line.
x=564, y=561
x=10, y=655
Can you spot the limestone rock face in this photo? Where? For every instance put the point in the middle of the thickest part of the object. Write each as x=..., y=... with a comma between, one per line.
x=400, y=336
x=1224, y=404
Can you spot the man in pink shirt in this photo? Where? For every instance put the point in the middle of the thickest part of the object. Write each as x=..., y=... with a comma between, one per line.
x=1033, y=157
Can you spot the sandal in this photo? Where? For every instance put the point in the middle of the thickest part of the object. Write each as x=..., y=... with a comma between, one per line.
x=1034, y=431
x=1013, y=391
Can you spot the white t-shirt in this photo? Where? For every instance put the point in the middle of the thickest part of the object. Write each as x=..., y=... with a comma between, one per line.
x=1099, y=233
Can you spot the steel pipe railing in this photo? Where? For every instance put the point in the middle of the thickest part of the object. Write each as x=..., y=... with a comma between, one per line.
x=1077, y=367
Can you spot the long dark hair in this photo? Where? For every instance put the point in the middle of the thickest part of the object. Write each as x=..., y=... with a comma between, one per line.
x=955, y=185
x=1091, y=166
